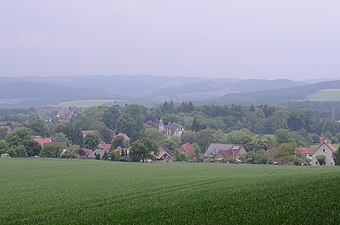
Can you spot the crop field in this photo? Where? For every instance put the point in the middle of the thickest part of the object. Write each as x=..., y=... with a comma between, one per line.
x=46, y=191
x=88, y=103
x=325, y=95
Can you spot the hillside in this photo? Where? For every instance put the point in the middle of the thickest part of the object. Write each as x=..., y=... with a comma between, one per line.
x=280, y=94
x=143, y=89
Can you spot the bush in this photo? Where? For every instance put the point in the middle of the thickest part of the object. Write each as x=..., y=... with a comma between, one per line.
x=98, y=157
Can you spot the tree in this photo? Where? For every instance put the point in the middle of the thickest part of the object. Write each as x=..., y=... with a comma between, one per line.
x=321, y=159
x=3, y=133
x=118, y=142
x=106, y=155
x=283, y=136
x=51, y=151
x=336, y=157
x=155, y=135
x=286, y=152
x=91, y=141
x=140, y=150
x=4, y=147
x=126, y=124
x=22, y=137
x=33, y=148
x=18, y=137
x=38, y=127
x=110, y=117
x=71, y=152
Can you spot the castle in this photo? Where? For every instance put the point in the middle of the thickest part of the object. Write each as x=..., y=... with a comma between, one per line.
x=172, y=129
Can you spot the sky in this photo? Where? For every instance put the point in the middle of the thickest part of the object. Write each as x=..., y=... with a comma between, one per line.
x=270, y=39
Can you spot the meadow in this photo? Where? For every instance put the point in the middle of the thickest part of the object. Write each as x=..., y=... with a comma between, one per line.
x=47, y=191
x=325, y=95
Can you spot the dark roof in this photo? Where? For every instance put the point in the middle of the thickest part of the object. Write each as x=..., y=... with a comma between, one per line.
x=215, y=148
x=164, y=149
x=98, y=151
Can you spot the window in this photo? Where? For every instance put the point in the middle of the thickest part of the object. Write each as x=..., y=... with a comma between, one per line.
x=324, y=150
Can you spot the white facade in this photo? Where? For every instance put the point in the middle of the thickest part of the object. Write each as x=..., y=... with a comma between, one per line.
x=325, y=150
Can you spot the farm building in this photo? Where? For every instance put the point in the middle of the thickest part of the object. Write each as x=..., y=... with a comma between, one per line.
x=4, y=156
x=323, y=155
x=225, y=152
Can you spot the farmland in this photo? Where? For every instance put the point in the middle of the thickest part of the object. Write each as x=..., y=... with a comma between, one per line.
x=88, y=103
x=325, y=95
x=46, y=191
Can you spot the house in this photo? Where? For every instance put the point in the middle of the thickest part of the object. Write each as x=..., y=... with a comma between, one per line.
x=104, y=146
x=164, y=153
x=126, y=138
x=305, y=151
x=100, y=152
x=87, y=132
x=172, y=129
x=42, y=141
x=84, y=153
x=7, y=128
x=186, y=148
x=326, y=150
x=4, y=156
x=225, y=152
x=122, y=151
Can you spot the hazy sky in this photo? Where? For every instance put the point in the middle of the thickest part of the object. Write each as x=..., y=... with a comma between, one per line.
x=218, y=38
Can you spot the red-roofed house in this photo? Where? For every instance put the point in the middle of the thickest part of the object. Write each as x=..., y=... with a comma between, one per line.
x=104, y=146
x=42, y=141
x=126, y=138
x=8, y=128
x=325, y=149
x=186, y=148
x=163, y=156
x=306, y=151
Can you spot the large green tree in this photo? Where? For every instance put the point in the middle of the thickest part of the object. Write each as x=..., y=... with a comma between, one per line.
x=141, y=149
x=91, y=141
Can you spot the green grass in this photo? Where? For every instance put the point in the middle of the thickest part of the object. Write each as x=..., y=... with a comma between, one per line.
x=325, y=95
x=42, y=191
x=87, y=103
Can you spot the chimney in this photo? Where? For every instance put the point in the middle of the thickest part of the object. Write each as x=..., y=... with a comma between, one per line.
x=321, y=141
x=327, y=141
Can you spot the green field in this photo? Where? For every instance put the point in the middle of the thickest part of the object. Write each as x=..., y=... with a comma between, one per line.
x=87, y=103
x=325, y=95
x=42, y=191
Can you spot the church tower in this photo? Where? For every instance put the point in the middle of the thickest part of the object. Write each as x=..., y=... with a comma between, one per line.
x=161, y=125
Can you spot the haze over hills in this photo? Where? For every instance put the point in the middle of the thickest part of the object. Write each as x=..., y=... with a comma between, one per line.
x=147, y=89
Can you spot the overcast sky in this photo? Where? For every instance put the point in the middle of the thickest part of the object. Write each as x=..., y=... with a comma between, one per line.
x=296, y=39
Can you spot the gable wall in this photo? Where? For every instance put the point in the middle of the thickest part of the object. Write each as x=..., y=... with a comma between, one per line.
x=328, y=154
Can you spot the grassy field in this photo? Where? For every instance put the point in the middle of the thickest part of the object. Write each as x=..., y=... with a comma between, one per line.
x=42, y=191
x=325, y=95
x=88, y=103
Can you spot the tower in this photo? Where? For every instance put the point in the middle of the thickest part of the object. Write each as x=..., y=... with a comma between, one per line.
x=161, y=125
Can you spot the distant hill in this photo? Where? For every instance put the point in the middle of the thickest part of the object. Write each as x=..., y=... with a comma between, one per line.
x=144, y=89
x=280, y=94
x=26, y=90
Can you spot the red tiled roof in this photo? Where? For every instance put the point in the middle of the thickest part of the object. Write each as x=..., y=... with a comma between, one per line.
x=187, y=148
x=122, y=135
x=5, y=127
x=328, y=143
x=41, y=140
x=305, y=151
x=230, y=154
x=104, y=146
x=161, y=154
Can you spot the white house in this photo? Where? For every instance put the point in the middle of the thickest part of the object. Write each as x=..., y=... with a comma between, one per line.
x=325, y=149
